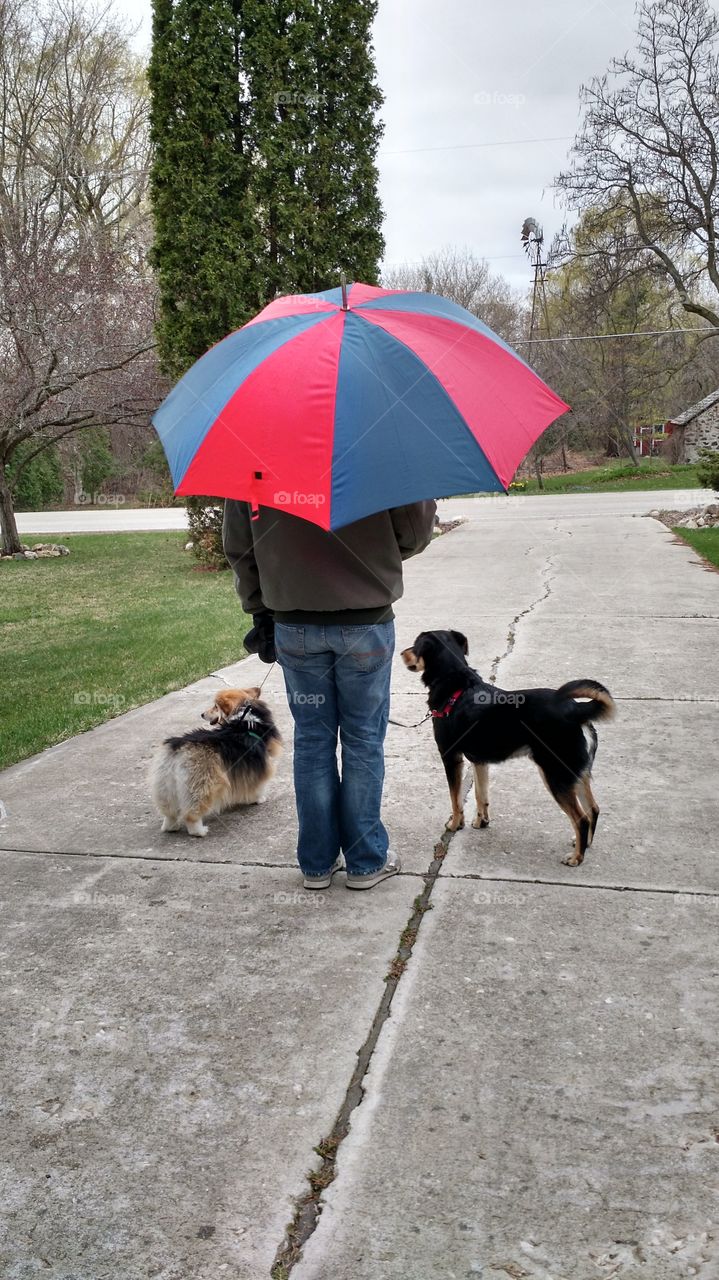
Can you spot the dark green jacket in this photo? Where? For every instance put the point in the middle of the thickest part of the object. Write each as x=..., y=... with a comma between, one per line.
x=301, y=573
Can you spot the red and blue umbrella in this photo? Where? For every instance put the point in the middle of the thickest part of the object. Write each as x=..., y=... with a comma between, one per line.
x=334, y=405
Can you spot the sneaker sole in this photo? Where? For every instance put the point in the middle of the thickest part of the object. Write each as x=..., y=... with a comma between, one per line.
x=321, y=882
x=360, y=883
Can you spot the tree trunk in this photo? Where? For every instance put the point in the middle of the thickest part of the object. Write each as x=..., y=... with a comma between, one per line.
x=538, y=472
x=8, y=524
x=628, y=442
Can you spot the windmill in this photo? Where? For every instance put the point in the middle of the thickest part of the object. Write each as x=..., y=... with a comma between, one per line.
x=533, y=241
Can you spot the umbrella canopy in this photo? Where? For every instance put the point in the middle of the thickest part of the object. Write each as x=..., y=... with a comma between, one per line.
x=333, y=411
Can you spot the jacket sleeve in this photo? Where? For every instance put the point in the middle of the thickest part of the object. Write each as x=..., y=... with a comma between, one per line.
x=413, y=526
x=238, y=546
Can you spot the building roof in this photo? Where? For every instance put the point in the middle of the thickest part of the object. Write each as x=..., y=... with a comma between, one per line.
x=688, y=415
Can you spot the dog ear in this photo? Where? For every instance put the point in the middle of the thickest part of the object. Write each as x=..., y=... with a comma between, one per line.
x=461, y=641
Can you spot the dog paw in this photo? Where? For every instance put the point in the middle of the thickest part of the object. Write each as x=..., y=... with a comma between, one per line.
x=197, y=830
x=480, y=822
x=574, y=861
x=454, y=824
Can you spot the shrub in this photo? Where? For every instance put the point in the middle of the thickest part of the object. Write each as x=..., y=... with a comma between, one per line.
x=204, y=519
x=38, y=483
x=708, y=469
x=96, y=463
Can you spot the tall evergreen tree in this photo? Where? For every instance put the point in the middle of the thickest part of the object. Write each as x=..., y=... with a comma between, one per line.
x=314, y=102
x=207, y=251
x=342, y=180
x=264, y=180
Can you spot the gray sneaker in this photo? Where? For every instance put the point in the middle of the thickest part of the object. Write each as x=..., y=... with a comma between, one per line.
x=392, y=867
x=324, y=882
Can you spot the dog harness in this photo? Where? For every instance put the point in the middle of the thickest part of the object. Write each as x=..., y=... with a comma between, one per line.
x=437, y=715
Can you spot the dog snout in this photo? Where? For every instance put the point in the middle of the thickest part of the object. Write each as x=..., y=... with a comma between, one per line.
x=409, y=657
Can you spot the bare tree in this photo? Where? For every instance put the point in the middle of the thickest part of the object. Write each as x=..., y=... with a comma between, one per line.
x=460, y=275
x=76, y=301
x=648, y=147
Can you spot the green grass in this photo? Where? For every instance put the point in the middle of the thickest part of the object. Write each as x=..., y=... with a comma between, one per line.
x=705, y=541
x=123, y=619
x=652, y=474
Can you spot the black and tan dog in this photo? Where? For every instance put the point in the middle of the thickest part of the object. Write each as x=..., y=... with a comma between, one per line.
x=488, y=725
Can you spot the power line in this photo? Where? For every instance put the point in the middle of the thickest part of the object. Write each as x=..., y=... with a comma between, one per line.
x=472, y=146
x=601, y=337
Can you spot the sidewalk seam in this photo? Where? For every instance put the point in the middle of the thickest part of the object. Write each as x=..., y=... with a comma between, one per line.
x=160, y=858
x=577, y=884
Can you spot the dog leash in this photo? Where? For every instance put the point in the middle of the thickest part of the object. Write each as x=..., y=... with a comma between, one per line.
x=410, y=726
x=432, y=715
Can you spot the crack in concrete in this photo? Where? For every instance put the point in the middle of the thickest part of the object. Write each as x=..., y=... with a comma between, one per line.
x=547, y=579
x=309, y=1205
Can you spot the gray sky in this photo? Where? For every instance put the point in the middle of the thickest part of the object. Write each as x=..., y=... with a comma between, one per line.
x=461, y=72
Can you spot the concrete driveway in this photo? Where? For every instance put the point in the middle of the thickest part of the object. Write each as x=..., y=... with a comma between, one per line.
x=533, y=1092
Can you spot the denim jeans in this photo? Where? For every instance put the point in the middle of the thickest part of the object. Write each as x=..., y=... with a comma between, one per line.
x=337, y=680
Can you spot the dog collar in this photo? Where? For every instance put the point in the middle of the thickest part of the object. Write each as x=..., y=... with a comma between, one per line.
x=437, y=715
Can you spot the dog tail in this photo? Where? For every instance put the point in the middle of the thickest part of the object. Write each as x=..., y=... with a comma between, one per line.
x=600, y=705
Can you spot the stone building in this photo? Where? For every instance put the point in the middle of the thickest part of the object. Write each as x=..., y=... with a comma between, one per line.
x=694, y=429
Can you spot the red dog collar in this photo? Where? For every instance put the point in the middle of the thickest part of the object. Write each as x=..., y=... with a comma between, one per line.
x=437, y=715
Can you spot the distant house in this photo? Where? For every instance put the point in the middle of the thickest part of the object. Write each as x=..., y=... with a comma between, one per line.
x=694, y=429
x=648, y=440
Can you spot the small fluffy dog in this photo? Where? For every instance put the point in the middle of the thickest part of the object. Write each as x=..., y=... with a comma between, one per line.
x=489, y=725
x=205, y=771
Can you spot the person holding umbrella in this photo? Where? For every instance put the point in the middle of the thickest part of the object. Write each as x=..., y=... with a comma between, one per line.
x=321, y=603
x=328, y=420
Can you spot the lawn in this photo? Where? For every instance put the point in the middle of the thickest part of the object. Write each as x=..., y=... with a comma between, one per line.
x=651, y=474
x=705, y=541
x=123, y=619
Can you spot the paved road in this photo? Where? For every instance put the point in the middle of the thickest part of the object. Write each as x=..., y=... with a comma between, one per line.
x=182, y=1023
x=119, y=519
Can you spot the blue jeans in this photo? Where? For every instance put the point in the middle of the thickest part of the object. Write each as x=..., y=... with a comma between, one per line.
x=337, y=680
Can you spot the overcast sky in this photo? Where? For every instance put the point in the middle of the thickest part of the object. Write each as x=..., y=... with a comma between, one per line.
x=458, y=73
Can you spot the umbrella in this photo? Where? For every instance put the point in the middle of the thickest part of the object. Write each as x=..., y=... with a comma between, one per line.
x=335, y=405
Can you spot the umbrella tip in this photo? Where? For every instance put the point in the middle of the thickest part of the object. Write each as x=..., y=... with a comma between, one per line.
x=343, y=283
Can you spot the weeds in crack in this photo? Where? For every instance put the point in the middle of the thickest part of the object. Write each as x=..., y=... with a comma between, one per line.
x=308, y=1208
